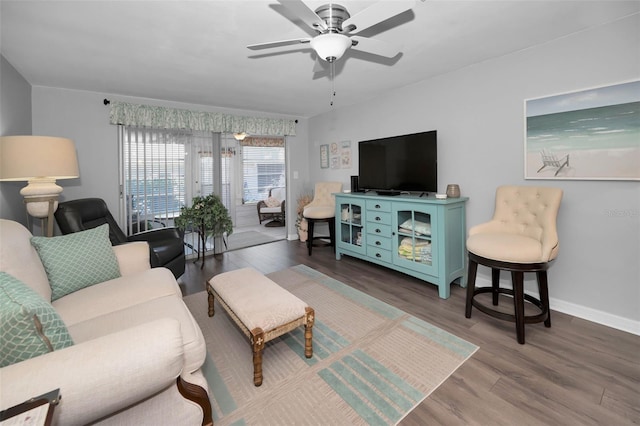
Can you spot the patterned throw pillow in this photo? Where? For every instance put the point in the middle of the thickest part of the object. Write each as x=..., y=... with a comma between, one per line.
x=78, y=260
x=272, y=202
x=30, y=326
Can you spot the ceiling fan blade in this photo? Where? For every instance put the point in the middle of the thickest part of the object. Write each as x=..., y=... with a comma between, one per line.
x=302, y=11
x=375, y=14
x=377, y=47
x=278, y=43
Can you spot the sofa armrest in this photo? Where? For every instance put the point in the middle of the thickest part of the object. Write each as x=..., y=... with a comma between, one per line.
x=132, y=257
x=101, y=376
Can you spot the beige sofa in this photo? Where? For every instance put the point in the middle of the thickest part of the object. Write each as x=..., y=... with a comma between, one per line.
x=137, y=352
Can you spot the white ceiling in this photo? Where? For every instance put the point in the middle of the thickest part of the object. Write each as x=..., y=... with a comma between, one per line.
x=195, y=51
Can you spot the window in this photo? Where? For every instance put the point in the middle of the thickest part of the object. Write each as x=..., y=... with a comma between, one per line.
x=263, y=168
x=162, y=171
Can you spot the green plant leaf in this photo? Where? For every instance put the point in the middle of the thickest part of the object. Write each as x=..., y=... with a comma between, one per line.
x=206, y=214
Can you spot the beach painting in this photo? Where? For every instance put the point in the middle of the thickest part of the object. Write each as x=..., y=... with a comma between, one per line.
x=591, y=134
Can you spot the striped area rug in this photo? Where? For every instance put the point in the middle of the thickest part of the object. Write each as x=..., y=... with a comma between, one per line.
x=372, y=363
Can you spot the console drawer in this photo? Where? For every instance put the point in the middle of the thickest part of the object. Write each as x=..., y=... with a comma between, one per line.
x=379, y=242
x=378, y=229
x=378, y=206
x=378, y=253
x=379, y=217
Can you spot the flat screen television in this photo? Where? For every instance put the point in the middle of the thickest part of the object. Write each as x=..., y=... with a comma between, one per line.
x=407, y=163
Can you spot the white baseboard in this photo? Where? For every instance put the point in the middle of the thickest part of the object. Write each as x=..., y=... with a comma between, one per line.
x=584, y=312
x=594, y=315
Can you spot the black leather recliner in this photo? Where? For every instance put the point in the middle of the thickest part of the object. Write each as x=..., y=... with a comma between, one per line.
x=165, y=244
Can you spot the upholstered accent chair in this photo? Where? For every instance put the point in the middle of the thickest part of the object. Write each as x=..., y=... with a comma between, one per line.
x=521, y=237
x=273, y=207
x=166, y=245
x=322, y=209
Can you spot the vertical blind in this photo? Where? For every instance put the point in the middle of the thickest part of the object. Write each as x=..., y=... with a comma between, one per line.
x=162, y=170
x=263, y=167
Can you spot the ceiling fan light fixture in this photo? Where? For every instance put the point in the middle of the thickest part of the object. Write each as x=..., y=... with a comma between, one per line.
x=330, y=46
x=240, y=136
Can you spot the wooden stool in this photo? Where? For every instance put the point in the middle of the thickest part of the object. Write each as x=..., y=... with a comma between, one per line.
x=262, y=310
x=332, y=231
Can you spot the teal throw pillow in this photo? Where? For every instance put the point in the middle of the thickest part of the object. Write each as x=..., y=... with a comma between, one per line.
x=30, y=326
x=78, y=260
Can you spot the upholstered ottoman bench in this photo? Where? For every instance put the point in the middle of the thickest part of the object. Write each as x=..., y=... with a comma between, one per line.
x=262, y=309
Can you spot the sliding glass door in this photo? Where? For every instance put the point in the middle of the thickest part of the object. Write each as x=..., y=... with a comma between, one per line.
x=162, y=170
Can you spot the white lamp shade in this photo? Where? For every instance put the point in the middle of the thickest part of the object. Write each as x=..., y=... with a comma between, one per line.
x=32, y=157
x=330, y=46
x=40, y=160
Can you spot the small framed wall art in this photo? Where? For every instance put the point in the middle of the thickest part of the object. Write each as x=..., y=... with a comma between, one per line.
x=324, y=156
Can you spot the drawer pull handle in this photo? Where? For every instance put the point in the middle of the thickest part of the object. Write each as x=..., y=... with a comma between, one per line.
x=378, y=219
x=378, y=255
x=378, y=231
x=378, y=243
x=377, y=206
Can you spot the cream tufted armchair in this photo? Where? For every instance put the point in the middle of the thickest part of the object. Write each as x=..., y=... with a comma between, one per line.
x=521, y=237
x=322, y=209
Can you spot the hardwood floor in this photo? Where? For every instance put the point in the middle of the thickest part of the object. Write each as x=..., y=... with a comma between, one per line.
x=574, y=373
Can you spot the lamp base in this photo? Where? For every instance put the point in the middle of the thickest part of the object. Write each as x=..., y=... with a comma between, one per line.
x=41, y=199
x=37, y=195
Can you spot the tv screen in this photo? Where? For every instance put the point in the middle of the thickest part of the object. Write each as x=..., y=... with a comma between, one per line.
x=399, y=163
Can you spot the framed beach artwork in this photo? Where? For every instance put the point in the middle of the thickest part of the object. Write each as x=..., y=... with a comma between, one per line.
x=592, y=134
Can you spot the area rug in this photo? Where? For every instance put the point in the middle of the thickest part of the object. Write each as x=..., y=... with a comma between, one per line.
x=372, y=363
x=247, y=239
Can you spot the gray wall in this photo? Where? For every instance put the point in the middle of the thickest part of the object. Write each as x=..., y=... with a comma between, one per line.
x=478, y=112
x=82, y=117
x=15, y=119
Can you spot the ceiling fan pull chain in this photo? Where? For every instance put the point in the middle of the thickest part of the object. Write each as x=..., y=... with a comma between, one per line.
x=332, y=70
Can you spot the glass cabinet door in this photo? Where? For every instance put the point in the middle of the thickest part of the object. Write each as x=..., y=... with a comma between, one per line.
x=415, y=243
x=350, y=229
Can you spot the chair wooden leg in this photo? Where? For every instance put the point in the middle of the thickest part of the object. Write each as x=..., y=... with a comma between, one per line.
x=495, y=285
x=543, y=288
x=518, y=303
x=310, y=224
x=471, y=286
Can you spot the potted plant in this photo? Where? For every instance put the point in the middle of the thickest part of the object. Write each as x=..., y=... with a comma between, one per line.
x=208, y=216
x=301, y=223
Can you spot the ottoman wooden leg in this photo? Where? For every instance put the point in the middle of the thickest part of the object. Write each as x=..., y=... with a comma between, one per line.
x=308, y=332
x=210, y=299
x=257, y=344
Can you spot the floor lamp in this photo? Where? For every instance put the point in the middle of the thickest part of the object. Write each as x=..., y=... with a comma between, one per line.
x=40, y=160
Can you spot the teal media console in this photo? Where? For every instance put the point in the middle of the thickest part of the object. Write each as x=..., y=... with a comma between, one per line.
x=420, y=236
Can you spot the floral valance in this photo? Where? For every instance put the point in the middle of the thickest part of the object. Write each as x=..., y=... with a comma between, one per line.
x=173, y=118
x=256, y=141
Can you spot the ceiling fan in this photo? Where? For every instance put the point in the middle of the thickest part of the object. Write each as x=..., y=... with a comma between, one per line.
x=336, y=28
